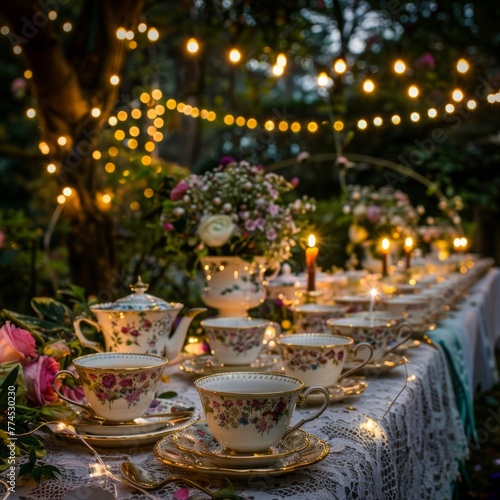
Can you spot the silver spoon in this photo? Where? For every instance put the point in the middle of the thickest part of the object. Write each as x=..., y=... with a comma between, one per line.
x=169, y=417
x=137, y=476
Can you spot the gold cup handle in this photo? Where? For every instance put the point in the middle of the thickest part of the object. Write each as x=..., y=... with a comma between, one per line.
x=81, y=337
x=404, y=333
x=64, y=398
x=363, y=363
x=302, y=402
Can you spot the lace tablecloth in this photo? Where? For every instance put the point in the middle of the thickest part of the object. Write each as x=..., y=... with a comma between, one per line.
x=383, y=446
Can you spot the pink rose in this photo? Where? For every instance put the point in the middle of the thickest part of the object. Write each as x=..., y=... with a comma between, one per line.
x=76, y=393
x=16, y=344
x=39, y=376
x=179, y=191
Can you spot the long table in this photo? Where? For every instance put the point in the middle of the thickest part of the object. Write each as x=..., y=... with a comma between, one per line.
x=404, y=437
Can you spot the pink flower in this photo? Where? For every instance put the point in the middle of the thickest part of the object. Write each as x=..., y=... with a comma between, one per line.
x=294, y=182
x=425, y=60
x=179, y=191
x=226, y=160
x=2, y=239
x=181, y=494
x=16, y=344
x=39, y=376
x=250, y=225
x=273, y=209
x=167, y=226
x=271, y=234
x=373, y=213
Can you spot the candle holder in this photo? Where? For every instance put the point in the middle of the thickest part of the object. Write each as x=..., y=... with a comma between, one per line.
x=312, y=296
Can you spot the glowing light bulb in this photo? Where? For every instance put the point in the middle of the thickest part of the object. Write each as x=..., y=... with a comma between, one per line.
x=415, y=117
x=114, y=80
x=399, y=67
x=377, y=121
x=153, y=35
x=413, y=91
x=121, y=33
x=323, y=79
x=368, y=86
x=340, y=66
x=463, y=66
x=67, y=191
x=362, y=124
x=30, y=113
x=432, y=113
x=96, y=112
x=51, y=168
x=396, y=119
x=192, y=46
x=457, y=95
x=281, y=60
x=62, y=140
x=277, y=70
x=234, y=56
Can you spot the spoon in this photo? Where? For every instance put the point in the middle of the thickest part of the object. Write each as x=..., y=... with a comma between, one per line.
x=169, y=417
x=137, y=476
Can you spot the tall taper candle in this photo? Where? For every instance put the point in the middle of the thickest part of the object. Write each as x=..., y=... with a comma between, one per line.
x=385, y=246
x=311, y=255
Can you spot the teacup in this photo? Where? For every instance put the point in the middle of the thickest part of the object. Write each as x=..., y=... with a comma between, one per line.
x=237, y=341
x=118, y=386
x=353, y=303
x=249, y=412
x=312, y=317
x=317, y=358
x=377, y=333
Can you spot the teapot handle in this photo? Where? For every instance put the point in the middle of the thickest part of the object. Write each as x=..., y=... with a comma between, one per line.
x=81, y=337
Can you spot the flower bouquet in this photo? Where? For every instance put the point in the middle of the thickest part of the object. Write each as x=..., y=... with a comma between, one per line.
x=237, y=209
x=378, y=213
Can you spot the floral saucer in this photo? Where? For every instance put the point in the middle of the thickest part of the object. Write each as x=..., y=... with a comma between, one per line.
x=128, y=435
x=167, y=452
x=208, y=365
x=346, y=388
x=197, y=439
x=373, y=368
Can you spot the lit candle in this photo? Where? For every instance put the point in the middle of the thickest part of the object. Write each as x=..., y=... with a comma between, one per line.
x=373, y=296
x=408, y=250
x=311, y=254
x=385, y=246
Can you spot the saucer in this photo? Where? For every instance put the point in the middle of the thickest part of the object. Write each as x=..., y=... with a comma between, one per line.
x=129, y=435
x=388, y=362
x=208, y=365
x=198, y=440
x=346, y=388
x=167, y=452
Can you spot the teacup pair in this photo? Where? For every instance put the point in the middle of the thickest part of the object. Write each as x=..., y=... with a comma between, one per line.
x=250, y=412
x=238, y=341
x=312, y=317
x=318, y=358
x=118, y=386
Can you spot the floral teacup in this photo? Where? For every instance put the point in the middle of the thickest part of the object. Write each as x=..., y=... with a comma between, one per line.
x=317, y=358
x=249, y=412
x=118, y=387
x=377, y=333
x=237, y=341
x=312, y=317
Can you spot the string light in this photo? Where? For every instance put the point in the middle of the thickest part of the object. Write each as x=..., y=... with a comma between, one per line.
x=67, y=27
x=449, y=108
x=471, y=104
x=106, y=198
x=109, y=167
x=457, y=95
x=462, y=66
x=61, y=199
x=67, y=191
x=17, y=49
x=491, y=98
x=62, y=141
x=277, y=70
x=96, y=112
x=362, y=124
x=413, y=91
x=396, y=119
x=4, y=30
x=157, y=94
x=122, y=115
x=28, y=74
x=112, y=120
x=295, y=127
x=340, y=66
x=368, y=86
x=192, y=46
x=377, y=121
x=30, y=113
x=130, y=35
x=153, y=35
x=311, y=126
x=399, y=67
x=235, y=56
x=52, y=15
x=323, y=79
x=415, y=117
x=97, y=155
x=51, y=168
x=142, y=27
x=338, y=126
x=114, y=80
x=281, y=60
x=121, y=33
x=44, y=148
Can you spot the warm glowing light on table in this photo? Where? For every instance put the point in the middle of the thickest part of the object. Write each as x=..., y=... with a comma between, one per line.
x=311, y=255
x=408, y=249
x=384, y=250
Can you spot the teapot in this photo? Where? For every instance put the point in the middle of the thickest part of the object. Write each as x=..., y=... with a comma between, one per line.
x=138, y=323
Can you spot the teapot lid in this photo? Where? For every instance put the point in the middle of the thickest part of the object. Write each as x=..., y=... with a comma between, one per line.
x=140, y=301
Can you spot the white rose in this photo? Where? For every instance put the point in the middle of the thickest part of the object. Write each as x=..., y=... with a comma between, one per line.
x=215, y=230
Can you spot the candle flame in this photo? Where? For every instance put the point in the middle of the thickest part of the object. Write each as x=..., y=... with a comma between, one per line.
x=386, y=244
x=373, y=293
x=409, y=242
x=311, y=241
x=457, y=242
x=463, y=242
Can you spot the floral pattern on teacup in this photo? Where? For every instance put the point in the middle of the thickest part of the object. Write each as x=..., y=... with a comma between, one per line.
x=112, y=386
x=239, y=340
x=230, y=413
x=312, y=359
x=376, y=337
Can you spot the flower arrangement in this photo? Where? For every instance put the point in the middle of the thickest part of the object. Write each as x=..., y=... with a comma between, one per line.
x=378, y=213
x=29, y=360
x=235, y=209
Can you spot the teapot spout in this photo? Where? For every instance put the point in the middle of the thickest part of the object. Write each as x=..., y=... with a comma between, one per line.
x=177, y=337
